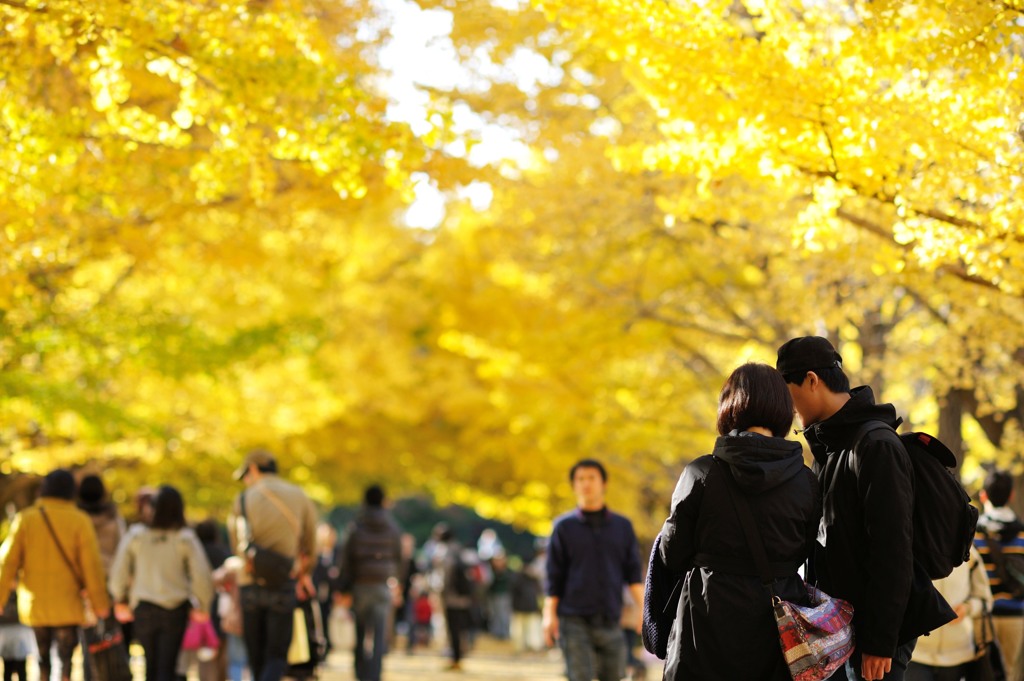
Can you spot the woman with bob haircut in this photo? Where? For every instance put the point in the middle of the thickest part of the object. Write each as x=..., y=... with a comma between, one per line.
x=724, y=626
x=160, y=576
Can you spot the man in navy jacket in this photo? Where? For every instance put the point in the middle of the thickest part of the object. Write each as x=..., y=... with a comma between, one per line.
x=592, y=554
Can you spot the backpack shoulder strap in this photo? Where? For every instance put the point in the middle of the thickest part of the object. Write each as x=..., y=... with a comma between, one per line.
x=871, y=426
x=995, y=551
x=1007, y=581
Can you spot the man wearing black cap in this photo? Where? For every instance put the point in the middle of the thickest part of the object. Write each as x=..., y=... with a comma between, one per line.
x=864, y=550
x=276, y=516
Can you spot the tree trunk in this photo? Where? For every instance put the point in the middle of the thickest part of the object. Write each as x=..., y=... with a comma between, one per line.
x=874, y=343
x=951, y=408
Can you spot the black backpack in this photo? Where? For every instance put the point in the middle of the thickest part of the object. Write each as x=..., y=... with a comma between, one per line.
x=1009, y=567
x=461, y=582
x=944, y=518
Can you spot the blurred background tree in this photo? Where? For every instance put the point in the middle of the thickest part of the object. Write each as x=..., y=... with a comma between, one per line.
x=207, y=241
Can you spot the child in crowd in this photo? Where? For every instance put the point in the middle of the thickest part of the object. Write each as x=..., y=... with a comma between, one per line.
x=229, y=607
x=420, y=629
x=17, y=641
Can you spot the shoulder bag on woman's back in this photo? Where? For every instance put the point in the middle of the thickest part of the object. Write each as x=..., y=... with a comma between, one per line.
x=817, y=639
x=102, y=640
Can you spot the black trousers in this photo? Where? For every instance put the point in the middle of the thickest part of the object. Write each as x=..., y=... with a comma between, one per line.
x=458, y=622
x=159, y=631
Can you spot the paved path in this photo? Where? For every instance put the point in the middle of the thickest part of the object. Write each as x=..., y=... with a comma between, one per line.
x=425, y=666
x=489, y=660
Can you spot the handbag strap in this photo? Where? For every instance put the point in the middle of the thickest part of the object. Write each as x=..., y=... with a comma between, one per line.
x=53, y=533
x=285, y=511
x=749, y=526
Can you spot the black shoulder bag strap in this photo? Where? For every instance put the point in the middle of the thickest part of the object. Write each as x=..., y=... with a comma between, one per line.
x=280, y=507
x=746, y=519
x=245, y=518
x=49, y=526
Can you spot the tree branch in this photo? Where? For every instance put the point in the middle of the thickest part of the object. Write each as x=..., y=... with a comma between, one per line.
x=22, y=7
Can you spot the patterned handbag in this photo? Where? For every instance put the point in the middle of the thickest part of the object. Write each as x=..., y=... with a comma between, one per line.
x=816, y=639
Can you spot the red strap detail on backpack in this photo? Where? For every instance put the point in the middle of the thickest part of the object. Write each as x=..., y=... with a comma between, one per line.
x=925, y=438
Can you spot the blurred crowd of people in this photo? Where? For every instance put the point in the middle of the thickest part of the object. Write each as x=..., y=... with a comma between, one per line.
x=189, y=602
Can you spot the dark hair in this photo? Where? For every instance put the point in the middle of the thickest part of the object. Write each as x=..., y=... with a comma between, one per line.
x=91, y=489
x=374, y=496
x=833, y=377
x=208, y=531
x=58, y=484
x=998, y=487
x=168, y=509
x=755, y=395
x=588, y=463
x=442, y=532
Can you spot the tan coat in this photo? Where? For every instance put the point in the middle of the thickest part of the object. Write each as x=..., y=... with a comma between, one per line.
x=953, y=644
x=282, y=518
x=110, y=527
x=48, y=591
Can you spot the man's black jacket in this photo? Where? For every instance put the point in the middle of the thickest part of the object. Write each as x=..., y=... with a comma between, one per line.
x=867, y=528
x=373, y=549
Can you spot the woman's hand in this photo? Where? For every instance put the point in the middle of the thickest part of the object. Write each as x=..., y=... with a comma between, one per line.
x=123, y=613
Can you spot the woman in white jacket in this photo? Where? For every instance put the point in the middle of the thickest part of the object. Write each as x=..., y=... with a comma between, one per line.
x=947, y=652
x=160, y=576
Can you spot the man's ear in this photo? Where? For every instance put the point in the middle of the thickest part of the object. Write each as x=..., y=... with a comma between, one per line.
x=812, y=380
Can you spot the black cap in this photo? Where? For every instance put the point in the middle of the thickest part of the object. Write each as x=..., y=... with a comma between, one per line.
x=807, y=353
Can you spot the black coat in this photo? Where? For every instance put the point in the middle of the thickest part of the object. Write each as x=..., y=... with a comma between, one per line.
x=724, y=627
x=372, y=552
x=867, y=528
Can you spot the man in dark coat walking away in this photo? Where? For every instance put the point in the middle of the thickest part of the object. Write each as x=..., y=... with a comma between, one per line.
x=371, y=560
x=864, y=551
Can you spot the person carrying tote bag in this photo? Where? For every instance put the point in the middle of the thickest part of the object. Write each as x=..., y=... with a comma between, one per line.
x=725, y=628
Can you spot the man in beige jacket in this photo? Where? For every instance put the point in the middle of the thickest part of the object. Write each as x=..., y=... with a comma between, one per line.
x=278, y=516
x=53, y=554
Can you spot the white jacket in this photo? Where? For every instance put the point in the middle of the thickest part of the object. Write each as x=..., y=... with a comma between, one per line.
x=953, y=644
x=164, y=567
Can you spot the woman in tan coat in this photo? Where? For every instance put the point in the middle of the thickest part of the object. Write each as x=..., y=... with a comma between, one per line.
x=53, y=568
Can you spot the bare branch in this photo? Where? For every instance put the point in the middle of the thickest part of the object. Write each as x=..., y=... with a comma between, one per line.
x=22, y=6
